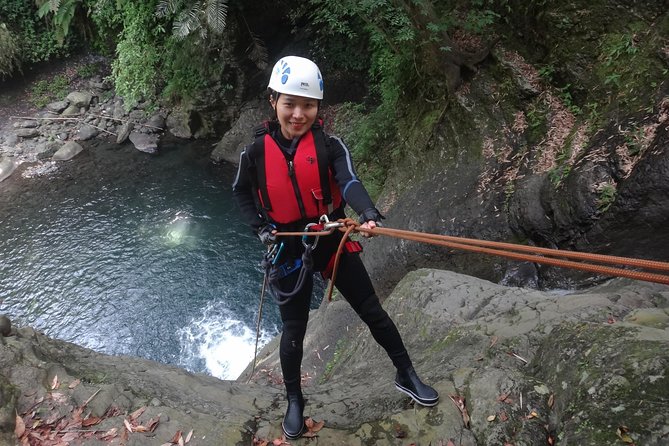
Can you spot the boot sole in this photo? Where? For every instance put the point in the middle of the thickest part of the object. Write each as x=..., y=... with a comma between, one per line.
x=423, y=402
x=292, y=436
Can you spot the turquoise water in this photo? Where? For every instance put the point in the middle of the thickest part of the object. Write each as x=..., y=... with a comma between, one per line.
x=135, y=254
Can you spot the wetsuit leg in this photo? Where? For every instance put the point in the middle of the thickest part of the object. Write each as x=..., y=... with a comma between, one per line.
x=354, y=284
x=294, y=315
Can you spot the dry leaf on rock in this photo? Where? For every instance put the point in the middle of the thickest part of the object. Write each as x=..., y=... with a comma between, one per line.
x=55, y=383
x=176, y=438
x=20, y=428
x=491, y=418
x=460, y=404
x=138, y=413
x=622, y=433
x=90, y=421
x=74, y=384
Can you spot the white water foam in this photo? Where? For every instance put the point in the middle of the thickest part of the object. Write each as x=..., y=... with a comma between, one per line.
x=223, y=343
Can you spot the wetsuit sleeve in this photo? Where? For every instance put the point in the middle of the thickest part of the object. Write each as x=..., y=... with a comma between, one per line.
x=243, y=191
x=352, y=189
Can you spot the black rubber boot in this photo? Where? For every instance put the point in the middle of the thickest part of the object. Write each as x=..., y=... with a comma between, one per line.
x=293, y=421
x=407, y=381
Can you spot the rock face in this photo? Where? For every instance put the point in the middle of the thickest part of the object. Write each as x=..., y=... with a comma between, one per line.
x=241, y=133
x=527, y=365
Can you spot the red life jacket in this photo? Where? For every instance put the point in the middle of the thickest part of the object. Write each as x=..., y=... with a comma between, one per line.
x=299, y=188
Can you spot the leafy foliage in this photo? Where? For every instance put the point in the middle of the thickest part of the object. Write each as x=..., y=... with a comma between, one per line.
x=135, y=69
x=61, y=13
x=201, y=17
x=36, y=42
x=46, y=91
x=9, y=52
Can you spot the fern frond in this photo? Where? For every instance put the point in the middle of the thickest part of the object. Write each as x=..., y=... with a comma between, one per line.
x=186, y=22
x=216, y=14
x=258, y=52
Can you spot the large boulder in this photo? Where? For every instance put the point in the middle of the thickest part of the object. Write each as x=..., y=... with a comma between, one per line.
x=80, y=99
x=144, y=142
x=7, y=167
x=68, y=151
x=241, y=133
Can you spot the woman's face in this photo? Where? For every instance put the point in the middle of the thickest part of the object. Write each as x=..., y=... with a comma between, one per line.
x=296, y=114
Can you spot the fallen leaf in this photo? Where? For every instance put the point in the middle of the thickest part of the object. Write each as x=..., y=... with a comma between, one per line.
x=503, y=397
x=138, y=413
x=176, y=438
x=493, y=341
x=20, y=428
x=110, y=434
x=611, y=319
x=491, y=418
x=450, y=443
x=127, y=425
x=460, y=404
x=531, y=415
x=153, y=423
x=189, y=436
x=503, y=416
x=551, y=400
x=622, y=434
x=55, y=384
x=74, y=384
x=90, y=421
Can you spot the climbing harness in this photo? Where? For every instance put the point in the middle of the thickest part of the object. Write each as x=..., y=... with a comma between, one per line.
x=276, y=270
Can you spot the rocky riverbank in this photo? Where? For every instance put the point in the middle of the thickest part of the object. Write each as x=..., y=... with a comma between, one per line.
x=513, y=366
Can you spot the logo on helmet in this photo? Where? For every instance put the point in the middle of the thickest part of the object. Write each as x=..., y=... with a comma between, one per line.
x=304, y=84
x=285, y=71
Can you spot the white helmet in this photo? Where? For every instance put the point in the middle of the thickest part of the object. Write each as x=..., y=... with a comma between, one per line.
x=297, y=76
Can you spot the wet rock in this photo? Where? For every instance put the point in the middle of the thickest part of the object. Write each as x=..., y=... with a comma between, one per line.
x=11, y=139
x=144, y=142
x=124, y=132
x=58, y=106
x=179, y=123
x=80, y=99
x=87, y=132
x=27, y=133
x=5, y=325
x=68, y=151
x=7, y=167
x=241, y=133
x=46, y=150
x=26, y=124
x=157, y=122
x=71, y=110
x=118, y=112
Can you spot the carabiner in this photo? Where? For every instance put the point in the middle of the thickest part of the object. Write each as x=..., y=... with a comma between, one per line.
x=304, y=237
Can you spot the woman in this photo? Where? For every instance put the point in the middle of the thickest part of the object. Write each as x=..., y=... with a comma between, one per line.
x=288, y=177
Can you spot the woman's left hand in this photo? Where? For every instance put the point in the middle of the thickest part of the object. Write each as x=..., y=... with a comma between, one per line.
x=371, y=224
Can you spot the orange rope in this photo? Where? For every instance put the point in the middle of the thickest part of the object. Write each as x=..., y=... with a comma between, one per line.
x=501, y=249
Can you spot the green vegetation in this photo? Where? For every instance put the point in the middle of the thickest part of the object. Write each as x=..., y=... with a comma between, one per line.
x=607, y=196
x=46, y=91
x=9, y=52
x=336, y=358
x=36, y=41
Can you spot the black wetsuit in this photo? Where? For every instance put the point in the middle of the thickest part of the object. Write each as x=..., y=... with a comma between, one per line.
x=352, y=279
